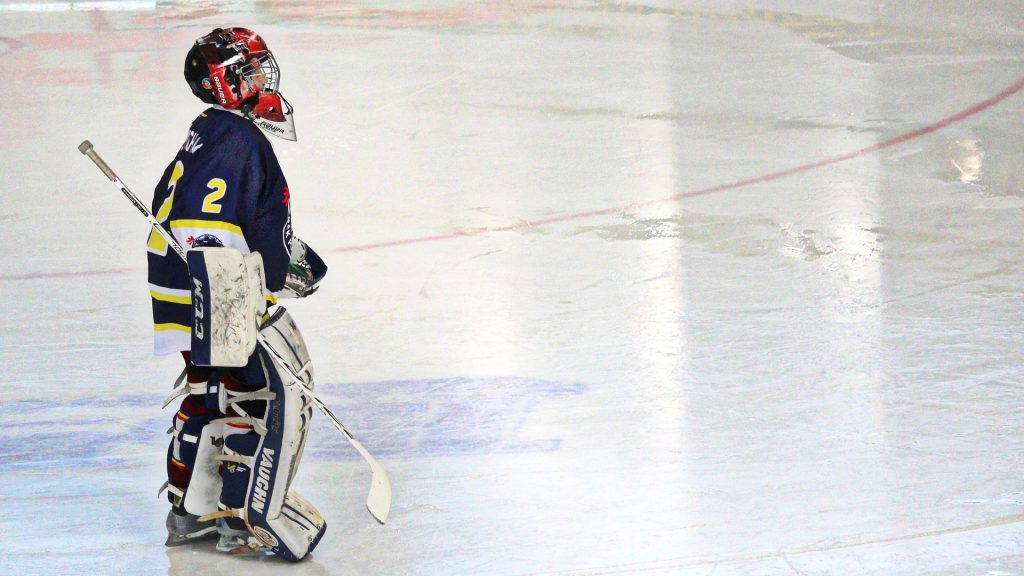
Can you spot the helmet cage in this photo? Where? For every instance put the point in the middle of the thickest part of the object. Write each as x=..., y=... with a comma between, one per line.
x=261, y=73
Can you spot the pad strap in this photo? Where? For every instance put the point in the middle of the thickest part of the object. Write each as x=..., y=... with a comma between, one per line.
x=231, y=513
x=194, y=388
x=257, y=426
x=263, y=394
x=236, y=458
x=170, y=488
x=230, y=400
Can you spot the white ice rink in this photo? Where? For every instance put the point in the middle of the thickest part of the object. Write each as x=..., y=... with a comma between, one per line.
x=710, y=287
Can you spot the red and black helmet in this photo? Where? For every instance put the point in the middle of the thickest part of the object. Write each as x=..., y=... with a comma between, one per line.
x=233, y=67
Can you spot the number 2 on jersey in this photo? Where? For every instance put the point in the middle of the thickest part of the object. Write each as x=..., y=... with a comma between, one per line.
x=219, y=187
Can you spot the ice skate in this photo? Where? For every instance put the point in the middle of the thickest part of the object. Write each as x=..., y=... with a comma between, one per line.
x=238, y=541
x=186, y=528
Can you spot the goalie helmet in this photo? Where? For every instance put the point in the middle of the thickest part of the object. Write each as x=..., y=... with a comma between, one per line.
x=233, y=68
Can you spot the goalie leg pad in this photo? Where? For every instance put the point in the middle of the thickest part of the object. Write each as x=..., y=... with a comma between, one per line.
x=193, y=483
x=260, y=459
x=283, y=521
x=194, y=457
x=189, y=423
x=192, y=468
x=204, y=489
x=236, y=474
x=296, y=532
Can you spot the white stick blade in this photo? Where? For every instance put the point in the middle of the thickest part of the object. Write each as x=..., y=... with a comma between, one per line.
x=378, y=502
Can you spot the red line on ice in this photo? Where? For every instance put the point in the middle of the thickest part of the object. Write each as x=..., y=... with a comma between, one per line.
x=67, y=274
x=939, y=125
x=914, y=134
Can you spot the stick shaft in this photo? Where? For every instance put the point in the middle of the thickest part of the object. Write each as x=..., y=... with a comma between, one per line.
x=171, y=240
x=86, y=148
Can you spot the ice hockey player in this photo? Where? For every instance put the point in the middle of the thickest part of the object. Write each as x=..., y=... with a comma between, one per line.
x=241, y=427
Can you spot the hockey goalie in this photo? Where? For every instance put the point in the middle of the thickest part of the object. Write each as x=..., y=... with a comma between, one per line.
x=241, y=426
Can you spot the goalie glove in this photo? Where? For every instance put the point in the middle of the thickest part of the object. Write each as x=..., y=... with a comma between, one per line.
x=305, y=271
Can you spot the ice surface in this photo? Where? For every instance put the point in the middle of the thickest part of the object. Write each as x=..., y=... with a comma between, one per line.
x=705, y=287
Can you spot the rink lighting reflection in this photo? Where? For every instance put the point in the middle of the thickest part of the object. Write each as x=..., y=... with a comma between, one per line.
x=968, y=158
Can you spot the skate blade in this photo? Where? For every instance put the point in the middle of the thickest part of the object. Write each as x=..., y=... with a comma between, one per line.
x=237, y=547
x=182, y=539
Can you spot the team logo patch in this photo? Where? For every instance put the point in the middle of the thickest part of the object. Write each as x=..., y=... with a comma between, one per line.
x=207, y=84
x=206, y=240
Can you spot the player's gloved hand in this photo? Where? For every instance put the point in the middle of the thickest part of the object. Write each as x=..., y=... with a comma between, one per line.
x=305, y=271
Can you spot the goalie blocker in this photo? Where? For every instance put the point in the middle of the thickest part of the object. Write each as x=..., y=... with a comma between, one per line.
x=228, y=299
x=259, y=465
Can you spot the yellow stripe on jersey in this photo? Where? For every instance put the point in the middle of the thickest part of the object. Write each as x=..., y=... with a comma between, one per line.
x=172, y=326
x=165, y=209
x=170, y=297
x=156, y=243
x=214, y=224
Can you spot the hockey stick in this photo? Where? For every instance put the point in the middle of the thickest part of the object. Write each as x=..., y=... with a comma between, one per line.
x=378, y=501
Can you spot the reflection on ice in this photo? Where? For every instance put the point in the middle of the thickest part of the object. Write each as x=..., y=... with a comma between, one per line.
x=617, y=287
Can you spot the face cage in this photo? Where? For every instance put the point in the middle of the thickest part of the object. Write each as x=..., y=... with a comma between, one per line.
x=261, y=73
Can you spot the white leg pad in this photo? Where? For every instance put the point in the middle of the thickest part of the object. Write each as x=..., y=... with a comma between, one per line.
x=295, y=532
x=281, y=519
x=203, y=494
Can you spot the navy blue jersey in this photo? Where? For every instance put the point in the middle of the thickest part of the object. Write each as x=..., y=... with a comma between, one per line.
x=223, y=188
